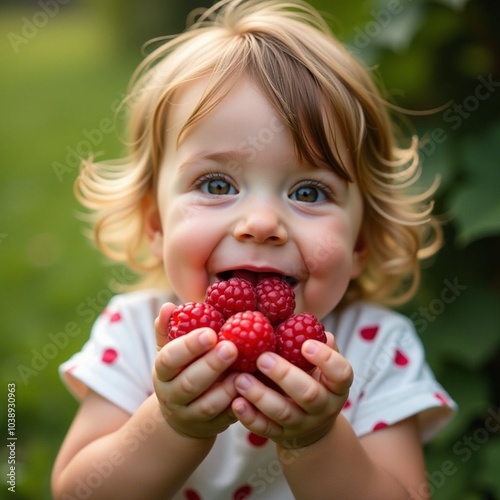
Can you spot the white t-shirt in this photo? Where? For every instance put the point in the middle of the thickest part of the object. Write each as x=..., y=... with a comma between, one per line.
x=392, y=381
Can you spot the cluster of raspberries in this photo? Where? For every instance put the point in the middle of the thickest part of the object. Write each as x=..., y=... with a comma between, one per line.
x=256, y=319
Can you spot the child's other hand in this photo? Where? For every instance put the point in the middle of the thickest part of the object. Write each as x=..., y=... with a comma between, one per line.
x=194, y=395
x=311, y=403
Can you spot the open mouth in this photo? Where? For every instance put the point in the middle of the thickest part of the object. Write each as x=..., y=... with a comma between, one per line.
x=255, y=276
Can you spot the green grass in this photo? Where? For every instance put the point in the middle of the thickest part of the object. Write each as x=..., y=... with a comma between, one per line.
x=61, y=83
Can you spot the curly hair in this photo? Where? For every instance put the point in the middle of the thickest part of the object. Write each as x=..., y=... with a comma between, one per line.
x=319, y=90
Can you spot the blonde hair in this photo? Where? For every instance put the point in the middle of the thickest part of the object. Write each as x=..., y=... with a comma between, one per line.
x=289, y=52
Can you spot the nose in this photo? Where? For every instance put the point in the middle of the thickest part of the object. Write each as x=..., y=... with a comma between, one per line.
x=261, y=225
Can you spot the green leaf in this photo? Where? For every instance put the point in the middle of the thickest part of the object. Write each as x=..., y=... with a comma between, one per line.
x=467, y=329
x=398, y=26
x=470, y=390
x=436, y=160
x=477, y=212
x=490, y=458
x=445, y=482
x=476, y=204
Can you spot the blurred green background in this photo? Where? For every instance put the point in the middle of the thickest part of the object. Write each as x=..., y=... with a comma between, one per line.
x=64, y=66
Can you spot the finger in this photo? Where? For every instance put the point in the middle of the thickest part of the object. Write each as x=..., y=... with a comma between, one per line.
x=331, y=342
x=254, y=420
x=175, y=355
x=216, y=402
x=336, y=371
x=161, y=324
x=197, y=377
x=275, y=406
x=307, y=393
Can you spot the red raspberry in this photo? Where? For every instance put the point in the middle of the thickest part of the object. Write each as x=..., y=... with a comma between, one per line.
x=192, y=315
x=252, y=334
x=291, y=334
x=231, y=296
x=275, y=299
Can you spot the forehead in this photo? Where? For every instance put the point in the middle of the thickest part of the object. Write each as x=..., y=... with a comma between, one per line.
x=239, y=126
x=245, y=105
x=195, y=101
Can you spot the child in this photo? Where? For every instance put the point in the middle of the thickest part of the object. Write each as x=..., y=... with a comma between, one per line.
x=259, y=147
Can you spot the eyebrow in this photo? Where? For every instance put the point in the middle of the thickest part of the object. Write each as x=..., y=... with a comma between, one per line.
x=230, y=156
x=233, y=158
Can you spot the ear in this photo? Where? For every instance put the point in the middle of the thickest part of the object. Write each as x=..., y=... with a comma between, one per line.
x=152, y=225
x=359, y=256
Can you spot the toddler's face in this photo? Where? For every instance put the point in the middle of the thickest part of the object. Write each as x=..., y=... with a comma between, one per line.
x=233, y=200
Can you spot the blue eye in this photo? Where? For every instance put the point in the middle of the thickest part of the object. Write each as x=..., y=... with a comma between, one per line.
x=311, y=192
x=216, y=185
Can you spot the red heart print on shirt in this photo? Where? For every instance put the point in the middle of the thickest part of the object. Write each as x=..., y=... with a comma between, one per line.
x=400, y=358
x=369, y=332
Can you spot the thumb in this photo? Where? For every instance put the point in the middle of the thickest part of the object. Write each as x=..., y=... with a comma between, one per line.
x=330, y=341
x=161, y=324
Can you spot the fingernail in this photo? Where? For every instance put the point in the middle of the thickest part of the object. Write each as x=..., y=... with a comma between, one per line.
x=239, y=408
x=224, y=352
x=267, y=361
x=205, y=339
x=243, y=382
x=311, y=347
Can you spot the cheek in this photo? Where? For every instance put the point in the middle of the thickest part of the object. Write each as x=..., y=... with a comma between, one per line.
x=329, y=263
x=185, y=226
x=188, y=242
x=326, y=253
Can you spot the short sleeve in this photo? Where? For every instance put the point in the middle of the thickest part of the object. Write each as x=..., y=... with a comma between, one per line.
x=392, y=380
x=116, y=362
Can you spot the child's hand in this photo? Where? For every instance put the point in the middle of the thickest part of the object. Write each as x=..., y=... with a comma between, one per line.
x=194, y=395
x=311, y=403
